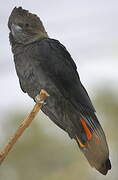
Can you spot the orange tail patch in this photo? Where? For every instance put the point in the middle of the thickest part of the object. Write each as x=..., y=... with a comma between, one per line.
x=89, y=135
x=80, y=143
x=96, y=138
x=87, y=131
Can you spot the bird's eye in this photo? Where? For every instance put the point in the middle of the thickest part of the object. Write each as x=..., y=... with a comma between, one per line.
x=26, y=25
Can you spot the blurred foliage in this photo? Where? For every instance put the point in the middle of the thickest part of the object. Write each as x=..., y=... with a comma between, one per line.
x=39, y=155
x=107, y=103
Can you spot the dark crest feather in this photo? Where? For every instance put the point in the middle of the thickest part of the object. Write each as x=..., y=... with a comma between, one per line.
x=23, y=13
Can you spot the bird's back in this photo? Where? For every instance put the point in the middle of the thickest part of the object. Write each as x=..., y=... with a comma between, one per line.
x=46, y=64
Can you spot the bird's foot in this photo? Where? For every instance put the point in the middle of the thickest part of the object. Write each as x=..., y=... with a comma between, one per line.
x=39, y=99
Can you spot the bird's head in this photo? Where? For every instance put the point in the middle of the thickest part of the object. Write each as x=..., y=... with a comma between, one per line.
x=25, y=27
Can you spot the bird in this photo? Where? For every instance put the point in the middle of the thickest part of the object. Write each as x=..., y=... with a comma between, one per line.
x=42, y=62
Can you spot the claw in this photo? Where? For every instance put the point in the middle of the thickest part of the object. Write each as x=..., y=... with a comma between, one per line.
x=41, y=97
x=39, y=100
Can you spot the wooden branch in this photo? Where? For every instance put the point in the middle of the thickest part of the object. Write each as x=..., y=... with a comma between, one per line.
x=41, y=97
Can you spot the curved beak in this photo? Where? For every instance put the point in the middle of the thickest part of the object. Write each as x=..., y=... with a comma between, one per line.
x=15, y=29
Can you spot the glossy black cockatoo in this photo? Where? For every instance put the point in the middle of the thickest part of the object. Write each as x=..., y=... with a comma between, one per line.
x=44, y=63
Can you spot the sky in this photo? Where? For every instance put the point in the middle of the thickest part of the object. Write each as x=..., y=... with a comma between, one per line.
x=88, y=29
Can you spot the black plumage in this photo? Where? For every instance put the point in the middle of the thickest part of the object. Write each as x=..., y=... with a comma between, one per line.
x=44, y=63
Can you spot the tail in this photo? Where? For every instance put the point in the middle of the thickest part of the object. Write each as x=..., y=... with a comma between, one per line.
x=93, y=144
